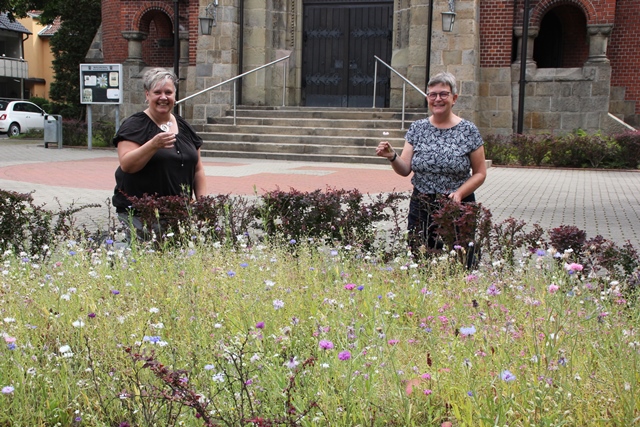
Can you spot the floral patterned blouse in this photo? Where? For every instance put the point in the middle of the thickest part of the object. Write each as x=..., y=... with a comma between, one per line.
x=441, y=162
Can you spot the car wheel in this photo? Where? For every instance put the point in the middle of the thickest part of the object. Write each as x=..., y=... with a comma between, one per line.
x=14, y=129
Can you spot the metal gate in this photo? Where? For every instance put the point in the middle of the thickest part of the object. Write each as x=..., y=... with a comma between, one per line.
x=340, y=40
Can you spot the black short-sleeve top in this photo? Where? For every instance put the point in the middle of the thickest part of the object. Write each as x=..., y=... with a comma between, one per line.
x=441, y=162
x=170, y=172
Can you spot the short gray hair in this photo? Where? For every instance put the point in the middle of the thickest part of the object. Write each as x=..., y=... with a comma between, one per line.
x=444, y=78
x=155, y=75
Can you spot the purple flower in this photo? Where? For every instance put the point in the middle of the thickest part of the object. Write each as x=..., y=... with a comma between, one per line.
x=7, y=389
x=541, y=252
x=91, y=315
x=468, y=330
x=493, y=290
x=293, y=241
x=231, y=273
x=244, y=265
x=260, y=325
x=115, y=291
x=292, y=363
x=109, y=242
x=11, y=346
x=507, y=376
x=344, y=355
x=360, y=288
x=326, y=345
x=470, y=393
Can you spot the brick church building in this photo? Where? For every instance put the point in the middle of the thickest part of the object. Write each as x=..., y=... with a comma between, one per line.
x=581, y=57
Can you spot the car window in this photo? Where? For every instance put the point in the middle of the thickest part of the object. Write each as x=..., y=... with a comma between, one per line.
x=31, y=108
x=18, y=106
x=3, y=105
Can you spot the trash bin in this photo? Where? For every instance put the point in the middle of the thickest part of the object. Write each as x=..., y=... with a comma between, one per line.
x=52, y=130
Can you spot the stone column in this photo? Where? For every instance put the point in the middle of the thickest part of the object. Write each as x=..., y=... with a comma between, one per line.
x=598, y=38
x=532, y=33
x=184, y=47
x=135, y=39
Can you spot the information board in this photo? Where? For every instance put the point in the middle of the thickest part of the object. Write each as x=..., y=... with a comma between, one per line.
x=101, y=83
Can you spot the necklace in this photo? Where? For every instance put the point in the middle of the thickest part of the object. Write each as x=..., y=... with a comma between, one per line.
x=166, y=126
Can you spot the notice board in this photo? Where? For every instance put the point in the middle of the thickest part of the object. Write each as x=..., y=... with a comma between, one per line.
x=101, y=83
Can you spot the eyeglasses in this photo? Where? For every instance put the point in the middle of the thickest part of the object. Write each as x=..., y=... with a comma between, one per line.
x=434, y=95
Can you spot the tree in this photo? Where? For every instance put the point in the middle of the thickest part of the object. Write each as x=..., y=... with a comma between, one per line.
x=80, y=22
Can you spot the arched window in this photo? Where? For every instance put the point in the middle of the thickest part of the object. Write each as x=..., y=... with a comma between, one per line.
x=157, y=49
x=562, y=40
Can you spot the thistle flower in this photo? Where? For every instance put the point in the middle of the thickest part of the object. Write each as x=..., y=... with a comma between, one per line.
x=326, y=345
x=344, y=355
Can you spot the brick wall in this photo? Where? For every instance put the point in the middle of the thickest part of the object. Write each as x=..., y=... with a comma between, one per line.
x=496, y=33
x=154, y=17
x=623, y=50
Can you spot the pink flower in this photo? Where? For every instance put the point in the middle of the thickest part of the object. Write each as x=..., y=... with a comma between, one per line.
x=553, y=288
x=393, y=342
x=325, y=345
x=260, y=325
x=574, y=267
x=350, y=286
x=344, y=355
x=427, y=392
x=9, y=339
x=426, y=376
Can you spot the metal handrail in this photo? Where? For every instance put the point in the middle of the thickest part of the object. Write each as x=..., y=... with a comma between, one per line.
x=404, y=84
x=235, y=80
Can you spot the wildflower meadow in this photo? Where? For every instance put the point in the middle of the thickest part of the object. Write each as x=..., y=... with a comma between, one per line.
x=307, y=333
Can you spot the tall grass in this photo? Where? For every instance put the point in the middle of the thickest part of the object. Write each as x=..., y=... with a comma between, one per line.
x=265, y=335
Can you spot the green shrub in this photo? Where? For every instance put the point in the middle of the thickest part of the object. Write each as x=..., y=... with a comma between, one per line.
x=74, y=133
x=499, y=149
x=629, y=154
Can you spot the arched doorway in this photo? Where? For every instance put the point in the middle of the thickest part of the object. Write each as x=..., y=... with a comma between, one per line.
x=562, y=41
x=340, y=39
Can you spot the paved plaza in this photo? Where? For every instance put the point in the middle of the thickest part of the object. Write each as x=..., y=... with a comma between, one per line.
x=600, y=202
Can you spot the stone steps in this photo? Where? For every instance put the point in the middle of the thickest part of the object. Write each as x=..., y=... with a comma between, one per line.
x=305, y=134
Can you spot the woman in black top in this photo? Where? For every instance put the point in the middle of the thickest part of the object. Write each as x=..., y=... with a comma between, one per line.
x=159, y=153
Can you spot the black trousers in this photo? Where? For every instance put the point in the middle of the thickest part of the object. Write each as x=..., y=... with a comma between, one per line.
x=422, y=230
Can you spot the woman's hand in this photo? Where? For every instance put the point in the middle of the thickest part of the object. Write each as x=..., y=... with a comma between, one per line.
x=456, y=197
x=384, y=150
x=163, y=140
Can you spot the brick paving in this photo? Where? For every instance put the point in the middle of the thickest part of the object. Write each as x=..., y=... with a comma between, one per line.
x=599, y=202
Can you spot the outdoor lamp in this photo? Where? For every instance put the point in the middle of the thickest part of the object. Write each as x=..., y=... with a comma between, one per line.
x=209, y=19
x=448, y=18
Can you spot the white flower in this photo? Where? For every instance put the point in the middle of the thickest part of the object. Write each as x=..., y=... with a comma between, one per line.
x=218, y=378
x=65, y=351
x=278, y=304
x=154, y=310
x=9, y=319
x=78, y=324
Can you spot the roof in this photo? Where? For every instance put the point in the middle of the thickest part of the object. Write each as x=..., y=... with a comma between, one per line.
x=15, y=26
x=51, y=29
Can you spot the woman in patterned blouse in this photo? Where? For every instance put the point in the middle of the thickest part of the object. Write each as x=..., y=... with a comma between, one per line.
x=446, y=155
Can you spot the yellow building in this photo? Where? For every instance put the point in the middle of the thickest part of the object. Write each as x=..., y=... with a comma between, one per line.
x=37, y=53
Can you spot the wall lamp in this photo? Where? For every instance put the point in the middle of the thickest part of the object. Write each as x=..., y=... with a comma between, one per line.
x=208, y=21
x=448, y=18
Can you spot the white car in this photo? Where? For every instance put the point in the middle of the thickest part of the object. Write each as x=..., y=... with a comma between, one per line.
x=20, y=116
